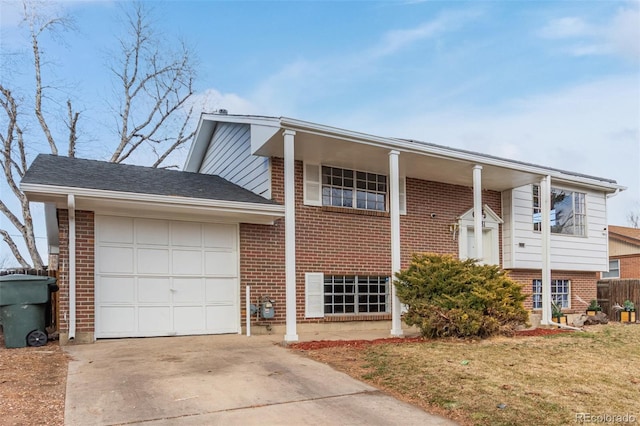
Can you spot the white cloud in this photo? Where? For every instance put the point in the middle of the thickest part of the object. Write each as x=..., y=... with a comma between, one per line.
x=211, y=100
x=566, y=27
x=620, y=35
x=590, y=128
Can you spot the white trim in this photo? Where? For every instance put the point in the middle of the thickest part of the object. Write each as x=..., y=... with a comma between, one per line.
x=491, y=222
x=290, y=235
x=394, y=210
x=545, y=206
x=48, y=190
x=402, y=188
x=477, y=211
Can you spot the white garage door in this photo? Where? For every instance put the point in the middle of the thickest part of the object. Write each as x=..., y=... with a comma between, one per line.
x=162, y=278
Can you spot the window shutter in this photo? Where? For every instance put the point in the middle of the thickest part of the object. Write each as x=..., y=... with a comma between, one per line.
x=403, y=195
x=314, y=295
x=312, y=184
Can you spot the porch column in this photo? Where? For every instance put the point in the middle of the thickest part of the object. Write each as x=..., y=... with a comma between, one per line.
x=394, y=209
x=545, y=209
x=477, y=210
x=71, y=206
x=290, y=236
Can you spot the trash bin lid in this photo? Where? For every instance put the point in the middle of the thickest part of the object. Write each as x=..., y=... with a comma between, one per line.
x=24, y=277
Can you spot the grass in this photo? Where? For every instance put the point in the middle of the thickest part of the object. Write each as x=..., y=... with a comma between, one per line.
x=508, y=381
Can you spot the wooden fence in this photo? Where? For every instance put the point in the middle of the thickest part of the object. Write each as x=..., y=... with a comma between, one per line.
x=612, y=292
x=53, y=308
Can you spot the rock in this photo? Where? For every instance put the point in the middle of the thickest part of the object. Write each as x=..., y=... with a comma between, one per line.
x=598, y=318
x=579, y=321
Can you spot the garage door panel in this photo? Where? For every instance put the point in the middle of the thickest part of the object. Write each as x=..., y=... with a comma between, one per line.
x=187, y=290
x=220, y=319
x=163, y=277
x=115, y=260
x=186, y=234
x=116, y=320
x=152, y=232
x=117, y=290
x=154, y=319
x=154, y=290
x=115, y=230
x=153, y=261
x=221, y=263
x=221, y=290
x=187, y=262
x=220, y=236
x=189, y=318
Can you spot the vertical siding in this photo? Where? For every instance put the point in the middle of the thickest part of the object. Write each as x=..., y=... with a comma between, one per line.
x=229, y=156
x=568, y=253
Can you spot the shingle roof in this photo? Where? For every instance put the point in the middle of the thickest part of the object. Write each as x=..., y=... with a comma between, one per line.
x=100, y=175
x=631, y=235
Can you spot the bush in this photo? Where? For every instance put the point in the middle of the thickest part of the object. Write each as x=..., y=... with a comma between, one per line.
x=450, y=297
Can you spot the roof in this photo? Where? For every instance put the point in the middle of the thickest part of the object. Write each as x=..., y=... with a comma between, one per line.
x=442, y=162
x=623, y=233
x=52, y=170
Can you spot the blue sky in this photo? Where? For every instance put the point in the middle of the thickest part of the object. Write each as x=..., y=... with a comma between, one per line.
x=553, y=83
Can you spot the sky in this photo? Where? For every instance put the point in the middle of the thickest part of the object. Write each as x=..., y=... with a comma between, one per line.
x=552, y=83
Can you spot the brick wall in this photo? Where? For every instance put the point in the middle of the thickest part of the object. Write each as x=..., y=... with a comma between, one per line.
x=85, y=254
x=583, y=286
x=341, y=241
x=629, y=266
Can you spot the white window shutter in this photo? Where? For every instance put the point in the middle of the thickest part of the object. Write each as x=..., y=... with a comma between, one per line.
x=314, y=295
x=402, y=186
x=312, y=184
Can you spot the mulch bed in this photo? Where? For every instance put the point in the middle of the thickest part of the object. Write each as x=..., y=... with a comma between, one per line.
x=359, y=344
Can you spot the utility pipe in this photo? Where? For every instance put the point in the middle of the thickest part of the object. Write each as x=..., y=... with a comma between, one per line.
x=247, y=302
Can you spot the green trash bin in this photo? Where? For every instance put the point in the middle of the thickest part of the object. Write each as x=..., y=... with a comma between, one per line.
x=23, y=305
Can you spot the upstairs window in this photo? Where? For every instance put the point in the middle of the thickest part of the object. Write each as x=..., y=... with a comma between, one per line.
x=353, y=189
x=568, y=211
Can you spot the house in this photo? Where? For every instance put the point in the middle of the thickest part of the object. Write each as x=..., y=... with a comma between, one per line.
x=314, y=218
x=624, y=253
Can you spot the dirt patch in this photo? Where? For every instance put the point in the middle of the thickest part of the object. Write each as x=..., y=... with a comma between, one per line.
x=32, y=384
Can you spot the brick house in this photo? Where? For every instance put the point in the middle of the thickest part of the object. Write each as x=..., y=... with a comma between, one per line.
x=315, y=218
x=624, y=253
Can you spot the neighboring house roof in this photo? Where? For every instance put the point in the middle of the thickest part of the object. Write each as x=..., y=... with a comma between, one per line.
x=52, y=170
x=627, y=235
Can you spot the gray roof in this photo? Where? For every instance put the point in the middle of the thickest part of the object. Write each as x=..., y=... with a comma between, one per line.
x=55, y=170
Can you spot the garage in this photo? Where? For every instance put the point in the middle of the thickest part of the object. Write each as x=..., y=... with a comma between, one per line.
x=158, y=277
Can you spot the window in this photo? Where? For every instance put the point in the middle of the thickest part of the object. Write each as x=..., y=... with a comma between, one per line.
x=355, y=294
x=560, y=290
x=568, y=211
x=614, y=269
x=354, y=189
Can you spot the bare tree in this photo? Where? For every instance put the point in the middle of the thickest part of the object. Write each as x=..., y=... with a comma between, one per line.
x=154, y=89
x=634, y=219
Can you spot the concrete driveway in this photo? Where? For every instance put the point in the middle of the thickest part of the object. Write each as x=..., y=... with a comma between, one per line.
x=225, y=380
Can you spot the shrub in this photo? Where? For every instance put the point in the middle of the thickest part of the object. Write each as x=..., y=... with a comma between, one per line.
x=450, y=297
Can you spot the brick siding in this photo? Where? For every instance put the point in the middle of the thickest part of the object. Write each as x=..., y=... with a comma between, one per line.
x=629, y=266
x=85, y=268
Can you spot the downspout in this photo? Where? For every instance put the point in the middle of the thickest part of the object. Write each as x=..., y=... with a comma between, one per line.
x=71, y=205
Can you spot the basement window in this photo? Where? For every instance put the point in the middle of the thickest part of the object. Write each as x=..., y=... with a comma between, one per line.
x=560, y=293
x=349, y=294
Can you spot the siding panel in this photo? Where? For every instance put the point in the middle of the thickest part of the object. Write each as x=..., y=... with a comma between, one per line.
x=229, y=156
x=569, y=253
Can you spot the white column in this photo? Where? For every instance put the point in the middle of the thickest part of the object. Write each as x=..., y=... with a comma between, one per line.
x=545, y=209
x=477, y=210
x=290, y=236
x=71, y=206
x=394, y=208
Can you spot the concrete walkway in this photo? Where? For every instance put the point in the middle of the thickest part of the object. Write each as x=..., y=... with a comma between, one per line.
x=221, y=380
